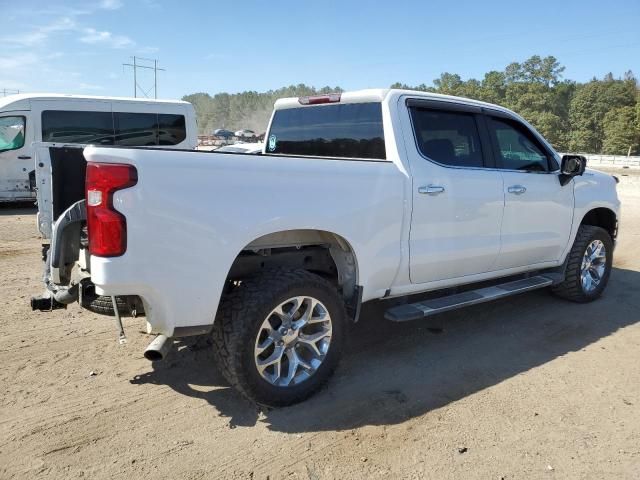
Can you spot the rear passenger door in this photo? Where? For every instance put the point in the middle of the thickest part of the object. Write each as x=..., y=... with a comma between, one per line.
x=457, y=194
x=538, y=210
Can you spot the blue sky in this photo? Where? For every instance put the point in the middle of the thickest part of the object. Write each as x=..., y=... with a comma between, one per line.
x=79, y=47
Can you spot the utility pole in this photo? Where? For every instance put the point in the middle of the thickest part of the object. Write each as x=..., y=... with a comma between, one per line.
x=135, y=81
x=136, y=65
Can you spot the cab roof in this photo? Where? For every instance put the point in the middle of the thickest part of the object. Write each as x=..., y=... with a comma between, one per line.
x=387, y=95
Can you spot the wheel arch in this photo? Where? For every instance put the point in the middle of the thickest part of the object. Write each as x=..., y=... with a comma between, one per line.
x=326, y=253
x=602, y=217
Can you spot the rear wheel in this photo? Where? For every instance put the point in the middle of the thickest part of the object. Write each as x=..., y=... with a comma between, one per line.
x=588, y=265
x=278, y=337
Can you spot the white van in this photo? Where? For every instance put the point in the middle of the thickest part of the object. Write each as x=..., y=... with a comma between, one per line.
x=29, y=119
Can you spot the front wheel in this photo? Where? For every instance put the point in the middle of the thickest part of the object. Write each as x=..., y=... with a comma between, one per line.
x=278, y=337
x=588, y=265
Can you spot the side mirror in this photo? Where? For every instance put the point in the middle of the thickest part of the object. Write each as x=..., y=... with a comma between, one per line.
x=571, y=166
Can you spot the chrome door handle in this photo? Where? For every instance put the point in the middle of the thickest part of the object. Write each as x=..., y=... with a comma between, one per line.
x=516, y=189
x=431, y=190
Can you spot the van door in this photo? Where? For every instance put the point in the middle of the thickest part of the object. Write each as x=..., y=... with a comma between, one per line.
x=17, y=172
x=458, y=198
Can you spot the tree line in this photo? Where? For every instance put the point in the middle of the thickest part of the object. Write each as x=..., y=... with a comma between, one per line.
x=250, y=109
x=599, y=116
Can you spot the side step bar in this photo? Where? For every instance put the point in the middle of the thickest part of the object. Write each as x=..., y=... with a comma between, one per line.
x=416, y=311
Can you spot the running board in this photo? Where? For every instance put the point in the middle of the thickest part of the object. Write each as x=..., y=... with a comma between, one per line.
x=416, y=311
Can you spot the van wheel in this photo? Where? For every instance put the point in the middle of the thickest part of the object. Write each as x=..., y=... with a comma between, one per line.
x=278, y=336
x=588, y=266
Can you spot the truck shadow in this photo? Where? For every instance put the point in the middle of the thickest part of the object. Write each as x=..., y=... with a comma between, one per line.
x=18, y=208
x=392, y=372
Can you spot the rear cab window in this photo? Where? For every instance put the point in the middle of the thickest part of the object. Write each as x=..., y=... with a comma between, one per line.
x=341, y=130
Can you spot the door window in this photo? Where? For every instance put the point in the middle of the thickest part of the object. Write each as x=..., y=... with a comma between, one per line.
x=449, y=138
x=517, y=148
x=11, y=133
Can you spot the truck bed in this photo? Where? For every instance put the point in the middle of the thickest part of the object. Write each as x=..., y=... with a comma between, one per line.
x=192, y=213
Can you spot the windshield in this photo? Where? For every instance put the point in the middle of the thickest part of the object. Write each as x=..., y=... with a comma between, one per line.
x=11, y=133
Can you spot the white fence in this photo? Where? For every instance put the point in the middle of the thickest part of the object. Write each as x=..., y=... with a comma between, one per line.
x=613, y=160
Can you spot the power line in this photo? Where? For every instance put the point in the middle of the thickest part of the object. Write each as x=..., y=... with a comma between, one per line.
x=9, y=91
x=136, y=65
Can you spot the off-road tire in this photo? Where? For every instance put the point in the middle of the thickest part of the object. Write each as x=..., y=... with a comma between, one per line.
x=242, y=311
x=571, y=288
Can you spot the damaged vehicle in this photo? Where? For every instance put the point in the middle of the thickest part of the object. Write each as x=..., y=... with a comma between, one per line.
x=359, y=196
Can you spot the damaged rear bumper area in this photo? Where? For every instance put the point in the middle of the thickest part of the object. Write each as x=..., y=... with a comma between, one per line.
x=67, y=273
x=60, y=259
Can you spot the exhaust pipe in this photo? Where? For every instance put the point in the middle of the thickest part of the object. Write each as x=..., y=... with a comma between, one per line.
x=158, y=349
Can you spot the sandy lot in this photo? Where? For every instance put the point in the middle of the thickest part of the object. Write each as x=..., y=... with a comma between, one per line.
x=529, y=387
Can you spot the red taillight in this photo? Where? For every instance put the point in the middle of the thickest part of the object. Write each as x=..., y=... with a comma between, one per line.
x=107, y=228
x=318, y=99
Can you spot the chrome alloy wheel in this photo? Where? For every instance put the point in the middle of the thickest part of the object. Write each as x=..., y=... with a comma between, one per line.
x=594, y=265
x=293, y=341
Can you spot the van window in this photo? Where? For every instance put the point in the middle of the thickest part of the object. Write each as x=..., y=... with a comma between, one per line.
x=11, y=133
x=447, y=137
x=172, y=129
x=136, y=129
x=351, y=130
x=119, y=128
x=62, y=126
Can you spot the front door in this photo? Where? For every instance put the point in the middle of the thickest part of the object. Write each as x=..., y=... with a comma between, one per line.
x=457, y=201
x=538, y=211
x=16, y=157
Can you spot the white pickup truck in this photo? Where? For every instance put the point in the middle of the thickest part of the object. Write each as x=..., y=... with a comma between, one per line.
x=357, y=196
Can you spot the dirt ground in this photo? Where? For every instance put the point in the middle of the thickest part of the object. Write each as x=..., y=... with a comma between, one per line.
x=525, y=388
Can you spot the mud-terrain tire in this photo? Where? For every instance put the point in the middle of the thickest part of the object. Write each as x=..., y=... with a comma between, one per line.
x=573, y=287
x=246, y=315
